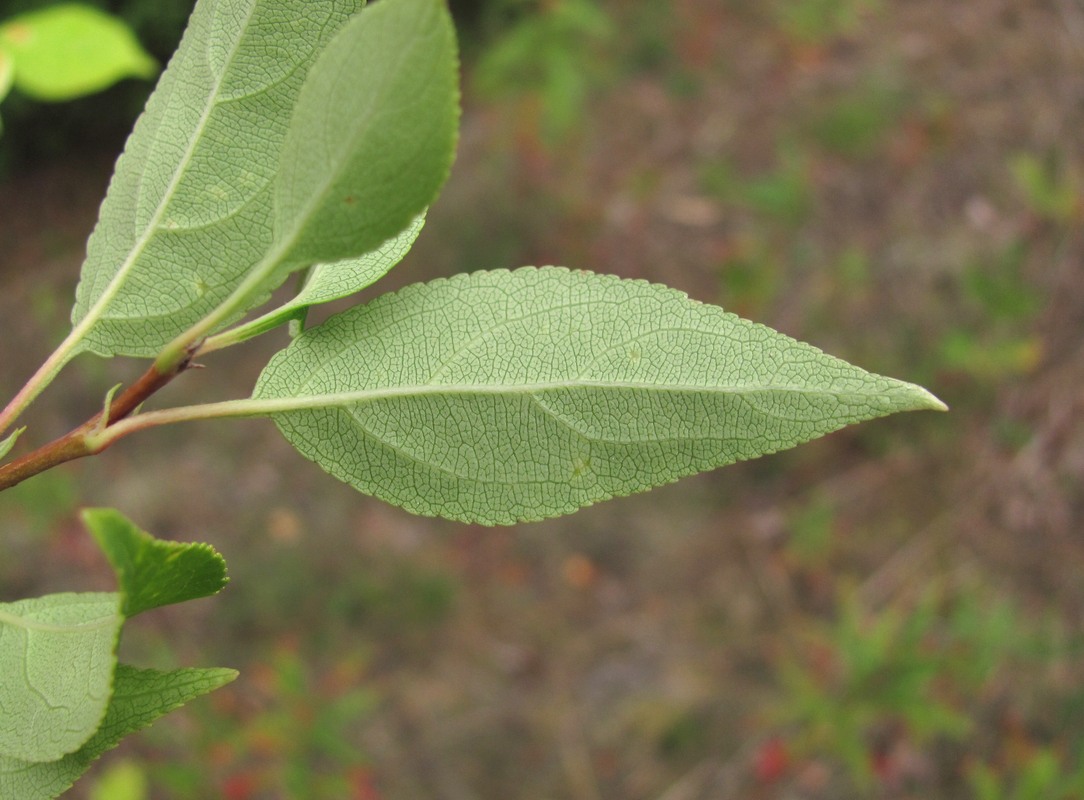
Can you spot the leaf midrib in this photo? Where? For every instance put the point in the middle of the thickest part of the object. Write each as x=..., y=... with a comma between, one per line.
x=154, y=224
x=26, y=623
x=277, y=405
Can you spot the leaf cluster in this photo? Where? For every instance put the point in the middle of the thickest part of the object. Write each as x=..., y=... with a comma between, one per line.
x=310, y=138
x=65, y=698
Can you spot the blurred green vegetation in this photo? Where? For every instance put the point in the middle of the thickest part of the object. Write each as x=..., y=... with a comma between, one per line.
x=856, y=123
x=544, y=61
x=814, y=21
x=867, y=687
x=124, y=780
x=782, y=194
x=1042, y=774
x=291, y=733
x=36, y=132
x=38, y=506
x=69, y=51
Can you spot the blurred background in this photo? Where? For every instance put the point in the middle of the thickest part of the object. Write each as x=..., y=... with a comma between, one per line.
x=894, y=611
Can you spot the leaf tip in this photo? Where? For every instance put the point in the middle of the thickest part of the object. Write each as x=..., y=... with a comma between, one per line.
x=928, y=401
x=9, y=442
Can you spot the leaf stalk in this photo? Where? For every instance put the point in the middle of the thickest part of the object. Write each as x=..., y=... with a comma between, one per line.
x=38, y=382
x=87, y=439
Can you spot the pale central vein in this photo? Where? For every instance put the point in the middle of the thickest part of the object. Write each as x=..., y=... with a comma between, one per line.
x=263, y=406
x=154, y=224
x=26, y=623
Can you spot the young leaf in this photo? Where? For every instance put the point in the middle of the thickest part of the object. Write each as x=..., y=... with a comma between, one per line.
x=364, y=157
x=327, y=282
x=140, y=696
x=8, y=442
x=499, y=397
x=56, y=672
x=189, y=210
x=71, y=50
x=152, y=572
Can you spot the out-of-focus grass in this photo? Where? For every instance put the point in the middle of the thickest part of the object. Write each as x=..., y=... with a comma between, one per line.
x=819, y=21
x=876, y=694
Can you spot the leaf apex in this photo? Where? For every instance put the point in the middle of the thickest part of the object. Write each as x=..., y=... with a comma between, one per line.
x=153, y=572
x=925, y=400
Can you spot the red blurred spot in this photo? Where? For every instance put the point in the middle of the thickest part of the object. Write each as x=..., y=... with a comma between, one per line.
x=579, y=571
x=771, y=761
x=883, y=765
x=364, y=788
x=241, y=786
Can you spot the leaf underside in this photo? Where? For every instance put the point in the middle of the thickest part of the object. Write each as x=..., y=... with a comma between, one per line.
x=335, y=280
x=140, y=696
x=56, y=672
x=500, y=397
x=339, y=279
x=248, y=166
x=58, y=652
x=373, y=134
x=189, y=209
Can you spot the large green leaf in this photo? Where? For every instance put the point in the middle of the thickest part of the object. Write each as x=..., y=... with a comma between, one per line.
x=503, y=396
x=139, y=698
x=365, y=156
x=72, y=50
x=56, y=672
x=152, y=572
x=189, y=210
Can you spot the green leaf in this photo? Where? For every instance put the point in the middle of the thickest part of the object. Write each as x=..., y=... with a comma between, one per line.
x=9, y=442
x=139, y=698
x=152, y=572
x=61, y=704
x=189, y=210
x=365, y=157
x=56, y=670
x=7, y=71
x=72, y=50
x=327, y=282
x=499, y=397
